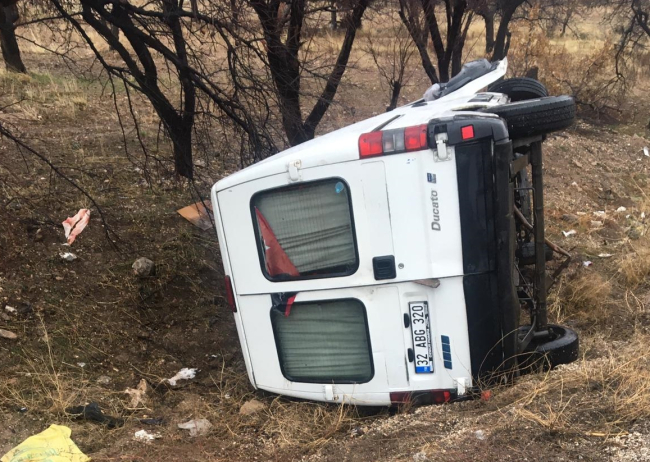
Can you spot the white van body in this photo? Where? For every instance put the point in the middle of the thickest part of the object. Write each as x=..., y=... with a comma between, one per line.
x=404, y=205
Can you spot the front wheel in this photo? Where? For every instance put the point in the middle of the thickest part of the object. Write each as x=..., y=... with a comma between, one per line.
x=536, y=116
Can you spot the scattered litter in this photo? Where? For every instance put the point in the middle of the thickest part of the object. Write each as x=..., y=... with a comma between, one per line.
x=197, y=427
x=81, y=365
x=646, y=151
x=145, y=436
x=569, y=233
x=621, y=209
x=104, y=380
x=153, y=421
x=143, y=267
x=251, y=407
x=68, y=256
x=420, y=457
x=73, y=226
x=642, y=215
x=582, y=214
x=574, y=184
x=198, y=214
x=138, y=394
x=596, y=224
x=227, y=396
x=94, y=414
x=8, y=334
x=183, y=374
x=604, y=255
x=22, y=409
x=53, y=444
x=587, y=263
x=11, y=309
x=600, y=213
x=486, y=395
x=479, y=434
x=570, y=218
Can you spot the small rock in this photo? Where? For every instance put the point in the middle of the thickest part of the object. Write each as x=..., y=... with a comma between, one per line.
x=5, y=317
x=251, y=407
x=570, y=218
x=479, y=434
x=143, y=267
x=104, y=380
x=596, y=224
x=68, y=256
x=8, y=334
x=420, y=457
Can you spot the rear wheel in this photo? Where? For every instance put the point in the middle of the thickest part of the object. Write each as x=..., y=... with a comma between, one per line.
x=519, y=88
x=536, y=116
x=560, y=347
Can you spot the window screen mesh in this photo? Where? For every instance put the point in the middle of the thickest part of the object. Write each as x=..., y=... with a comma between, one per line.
x=312, y=224
x=324, y=342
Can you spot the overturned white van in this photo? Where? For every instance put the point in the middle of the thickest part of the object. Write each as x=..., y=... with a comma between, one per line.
x=383, y=263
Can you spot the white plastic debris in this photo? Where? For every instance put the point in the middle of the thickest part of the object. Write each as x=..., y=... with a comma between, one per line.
x=197, y=427
x=480, y=434
x=587, y=264
x=68, y=256
x=138, y=394
x=621, y=209
x=145, y=436
x=646, y=151
x=604, y=255
x=642, y=215
x=574, y=184
x=569, y=233
x=10, y=309
x=600, y=213
x=183, y=374
x=81, y=365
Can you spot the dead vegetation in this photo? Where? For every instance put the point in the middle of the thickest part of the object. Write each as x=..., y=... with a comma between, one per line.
x=95, y=312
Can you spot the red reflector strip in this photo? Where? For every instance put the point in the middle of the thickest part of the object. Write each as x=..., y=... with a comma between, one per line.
x=431, y=396
x=370, y=144
x=467, y=132
x=415, y=138
x=230, y=295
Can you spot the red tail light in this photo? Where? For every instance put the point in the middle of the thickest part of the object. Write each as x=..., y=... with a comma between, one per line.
x=370, y=144
x=230, y=295
x=393, y=141
x=423, y=397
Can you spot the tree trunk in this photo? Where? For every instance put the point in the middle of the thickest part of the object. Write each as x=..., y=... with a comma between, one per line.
x=333, y=19
x=394, y=97
x=489, y=32
x=8, y=42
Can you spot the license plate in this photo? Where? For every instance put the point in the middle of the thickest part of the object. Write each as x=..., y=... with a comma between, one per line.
x=421, y=332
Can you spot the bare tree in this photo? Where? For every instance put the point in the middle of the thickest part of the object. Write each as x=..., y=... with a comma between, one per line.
x=423, y=21
x=8, y=41
x=283, y=34
x=393, y=58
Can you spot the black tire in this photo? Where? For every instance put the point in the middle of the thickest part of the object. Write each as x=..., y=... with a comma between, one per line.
x=536, y=116
x=519, y=88
x=562, y=348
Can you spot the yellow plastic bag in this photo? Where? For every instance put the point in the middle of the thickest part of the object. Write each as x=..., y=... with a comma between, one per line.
x=51, y=445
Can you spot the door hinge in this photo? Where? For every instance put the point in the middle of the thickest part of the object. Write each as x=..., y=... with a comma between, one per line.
x=443, y=152
x=294, y=170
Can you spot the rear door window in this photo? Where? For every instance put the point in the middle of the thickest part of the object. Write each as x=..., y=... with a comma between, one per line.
x=305, y=231
x=324, y=341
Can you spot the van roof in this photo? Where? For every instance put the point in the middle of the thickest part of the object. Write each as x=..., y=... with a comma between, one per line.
x=342, y=145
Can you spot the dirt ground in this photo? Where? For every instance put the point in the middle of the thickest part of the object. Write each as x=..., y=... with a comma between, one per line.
x=89, y=329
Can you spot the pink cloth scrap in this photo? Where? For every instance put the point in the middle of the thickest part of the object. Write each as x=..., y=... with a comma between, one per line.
x=73, y=226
